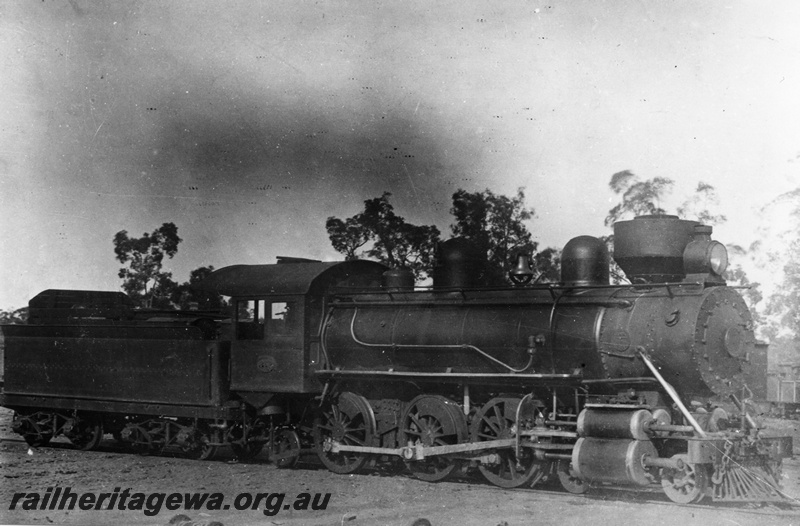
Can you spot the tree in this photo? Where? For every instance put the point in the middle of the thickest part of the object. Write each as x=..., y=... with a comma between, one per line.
x=783, y=307
x=698, y=205
x=548, y=263
x=779, y=257
x=646, y=198
x=638, y=197
x=496, y=225
x=389, y=238
x=143, y=277
x=347, y=236
x=14, y=317
x=187, y=296
x=737, y=276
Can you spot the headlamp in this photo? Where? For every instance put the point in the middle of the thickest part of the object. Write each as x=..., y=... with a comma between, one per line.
x=717, y=257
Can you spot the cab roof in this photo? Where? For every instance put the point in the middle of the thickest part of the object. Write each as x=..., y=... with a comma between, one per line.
x=293, y=276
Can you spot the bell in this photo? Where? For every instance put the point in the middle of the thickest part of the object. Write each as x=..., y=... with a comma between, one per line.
x=522, y=273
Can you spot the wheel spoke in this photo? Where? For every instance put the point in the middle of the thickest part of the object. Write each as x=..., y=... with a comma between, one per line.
x=352, y=440
x=415, y=419
x=349, y=430
x=497, y=414
x=350, y=421
x=491, y=424
x=433, y=421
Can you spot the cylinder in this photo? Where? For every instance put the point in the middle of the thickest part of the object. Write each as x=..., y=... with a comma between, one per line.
x=612, y=460
x=614, y=423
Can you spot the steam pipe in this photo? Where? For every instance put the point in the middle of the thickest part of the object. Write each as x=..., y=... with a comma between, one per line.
x=672, y=393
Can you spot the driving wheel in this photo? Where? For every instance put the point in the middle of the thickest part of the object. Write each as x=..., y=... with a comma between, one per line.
x=348, y=420
x=433, y=421
x=495, y=421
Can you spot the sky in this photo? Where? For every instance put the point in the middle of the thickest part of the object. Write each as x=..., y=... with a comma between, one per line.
x=248, y=123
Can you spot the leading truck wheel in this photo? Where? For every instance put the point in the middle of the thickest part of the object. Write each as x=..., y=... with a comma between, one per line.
x=433, y=421
x=569, y=480
x=687, y=484
x=349, y=421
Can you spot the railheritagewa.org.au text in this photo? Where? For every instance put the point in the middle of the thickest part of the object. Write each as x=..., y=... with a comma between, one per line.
x=152, y=503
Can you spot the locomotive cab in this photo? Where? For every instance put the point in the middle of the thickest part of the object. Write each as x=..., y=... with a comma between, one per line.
x=278, y=312
x=268, y=329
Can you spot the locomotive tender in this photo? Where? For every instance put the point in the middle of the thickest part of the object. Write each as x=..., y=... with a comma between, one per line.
x=582, y=381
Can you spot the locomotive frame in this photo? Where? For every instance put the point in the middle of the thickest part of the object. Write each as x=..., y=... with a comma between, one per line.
x=583, y=381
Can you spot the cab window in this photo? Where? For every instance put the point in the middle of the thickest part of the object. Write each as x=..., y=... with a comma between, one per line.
x=277, y=321
x=250, y=319
x=281, y=318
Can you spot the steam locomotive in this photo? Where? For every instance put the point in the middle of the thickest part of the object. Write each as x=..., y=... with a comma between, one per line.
x=582, y=382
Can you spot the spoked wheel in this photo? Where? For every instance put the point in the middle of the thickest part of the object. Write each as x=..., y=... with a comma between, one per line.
x=247, y=450
x=86, y=434
x=433, y=421
x=685, y=485
x=242, y=444
x=349, y=420
x=569, y=481
x=138, y=439
x=200, y=448
x=287, y=449
x=494, y=422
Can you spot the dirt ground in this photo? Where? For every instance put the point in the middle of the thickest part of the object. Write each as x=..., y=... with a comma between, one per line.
x=356, y=500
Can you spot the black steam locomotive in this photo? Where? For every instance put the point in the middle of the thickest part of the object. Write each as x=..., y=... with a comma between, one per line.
x=582, y=382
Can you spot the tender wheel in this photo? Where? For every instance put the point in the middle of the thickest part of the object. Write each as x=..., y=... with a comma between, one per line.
x=349, y=420
x=204, y=452
x=495, y=421
x=247, y=451
x=287, y=449
x=200, y=448
x=138, y=439
x=37, y=439
x=433, y=421
x=32, y=429
x=242, y=446
x=207, y=452
x=685, y=485
x=86, y=435
x=568, y=480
